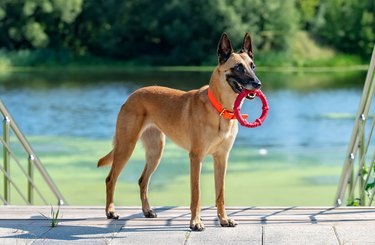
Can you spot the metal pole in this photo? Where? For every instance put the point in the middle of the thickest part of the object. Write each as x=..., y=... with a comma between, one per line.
x=350, y=183
x=6, y=158
x=368, y=92
x=362, y=165
x=30, y=172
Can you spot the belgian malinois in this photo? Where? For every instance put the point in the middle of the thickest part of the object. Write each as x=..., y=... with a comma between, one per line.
x=199, y=121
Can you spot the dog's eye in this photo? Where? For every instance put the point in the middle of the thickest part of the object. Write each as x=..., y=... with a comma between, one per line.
x=253, y=66
x=239, y=68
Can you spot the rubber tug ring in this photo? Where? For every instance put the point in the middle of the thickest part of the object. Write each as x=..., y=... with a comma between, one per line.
x=237, y=107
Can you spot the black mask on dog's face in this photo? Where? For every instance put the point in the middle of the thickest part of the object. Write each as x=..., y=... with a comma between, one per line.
x=240, y=67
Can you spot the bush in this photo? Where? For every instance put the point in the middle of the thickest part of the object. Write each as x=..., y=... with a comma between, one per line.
x=348, y=25
x=159, y=32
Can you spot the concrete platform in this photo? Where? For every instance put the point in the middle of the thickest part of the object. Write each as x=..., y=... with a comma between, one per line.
x=257, y=225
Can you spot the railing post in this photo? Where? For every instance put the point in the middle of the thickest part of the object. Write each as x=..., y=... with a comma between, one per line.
x=362, y=165
x=351, y=177
x=30, y=172
x=6, y=159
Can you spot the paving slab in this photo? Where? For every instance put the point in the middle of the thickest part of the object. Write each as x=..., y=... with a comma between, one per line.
x=152, y=235
x=67, y=233
x=21, y=232
x=356, y=234
x=229, y=235
x=300, y=234
x=257, y=225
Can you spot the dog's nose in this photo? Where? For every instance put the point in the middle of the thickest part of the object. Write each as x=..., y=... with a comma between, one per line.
x=256, y=84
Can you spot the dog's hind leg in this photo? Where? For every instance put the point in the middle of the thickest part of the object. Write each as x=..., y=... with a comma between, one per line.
x=153, y=140
x=127, y=133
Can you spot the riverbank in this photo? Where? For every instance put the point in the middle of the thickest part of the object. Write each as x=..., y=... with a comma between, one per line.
x=121, y=68
x=304, y=55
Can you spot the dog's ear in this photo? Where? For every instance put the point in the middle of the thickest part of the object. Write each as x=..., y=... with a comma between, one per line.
x=224, y=49
x=247, y=46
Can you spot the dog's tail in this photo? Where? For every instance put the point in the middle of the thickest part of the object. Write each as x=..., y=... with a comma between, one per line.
x=106, y=160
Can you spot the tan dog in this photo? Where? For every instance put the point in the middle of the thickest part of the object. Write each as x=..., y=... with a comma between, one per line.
x=191, y=121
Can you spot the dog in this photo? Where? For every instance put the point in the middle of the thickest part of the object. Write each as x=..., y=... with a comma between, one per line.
x=200, y=121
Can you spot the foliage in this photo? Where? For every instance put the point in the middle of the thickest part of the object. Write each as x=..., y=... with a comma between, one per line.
x=179, y=31
x=367, y=190
x=171, y=32
x=183, y=32
x=32, y=24
x=370, y=185
x=353, y=202
x=348, y=25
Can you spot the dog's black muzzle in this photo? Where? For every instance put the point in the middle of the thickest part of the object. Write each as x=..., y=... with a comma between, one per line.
x=255, y=84
x=238, y=84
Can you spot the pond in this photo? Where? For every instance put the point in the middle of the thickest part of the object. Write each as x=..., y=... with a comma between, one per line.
x=306, y=109
x=310, y=118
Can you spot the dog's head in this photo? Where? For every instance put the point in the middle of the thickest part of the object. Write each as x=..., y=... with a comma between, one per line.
x=237, y=69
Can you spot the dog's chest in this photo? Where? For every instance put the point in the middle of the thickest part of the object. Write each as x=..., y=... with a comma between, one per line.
x=226, y=132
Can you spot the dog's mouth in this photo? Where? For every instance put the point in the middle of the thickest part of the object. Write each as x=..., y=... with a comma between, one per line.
x=237, y=87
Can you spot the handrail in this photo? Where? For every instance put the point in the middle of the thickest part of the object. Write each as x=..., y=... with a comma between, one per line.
x=33, y=160
x=29, y=178
x=349, y=178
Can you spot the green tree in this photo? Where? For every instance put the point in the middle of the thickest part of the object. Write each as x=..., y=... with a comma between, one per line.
x=307, y=10
x=33, y=24
x=348, y=25
x=152, y=32
x=186, y=32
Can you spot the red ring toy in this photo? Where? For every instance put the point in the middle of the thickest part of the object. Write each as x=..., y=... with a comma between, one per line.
x=237, y=107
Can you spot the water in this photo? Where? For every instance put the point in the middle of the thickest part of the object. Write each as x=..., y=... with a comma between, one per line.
x=306, y=109
x=294, y=158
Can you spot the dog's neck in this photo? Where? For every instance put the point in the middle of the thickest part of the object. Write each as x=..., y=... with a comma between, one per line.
x=222, y=92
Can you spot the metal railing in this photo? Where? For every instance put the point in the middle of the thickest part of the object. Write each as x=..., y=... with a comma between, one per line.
x=359, y=183
x=33, y=163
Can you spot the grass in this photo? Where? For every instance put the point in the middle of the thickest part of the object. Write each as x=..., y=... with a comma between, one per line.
x=54, y=216
x=306, y=54
x=276, y=179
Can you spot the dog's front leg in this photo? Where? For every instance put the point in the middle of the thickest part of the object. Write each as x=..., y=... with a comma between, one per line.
x=220, y=168
x=196, y=223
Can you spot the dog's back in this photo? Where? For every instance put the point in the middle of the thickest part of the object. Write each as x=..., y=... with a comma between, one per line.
x=145, y=104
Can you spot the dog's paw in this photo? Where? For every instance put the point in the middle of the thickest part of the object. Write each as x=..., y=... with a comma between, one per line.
x=228, y=223
x=197, y=225
x=112, y=215
x=150, y=213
